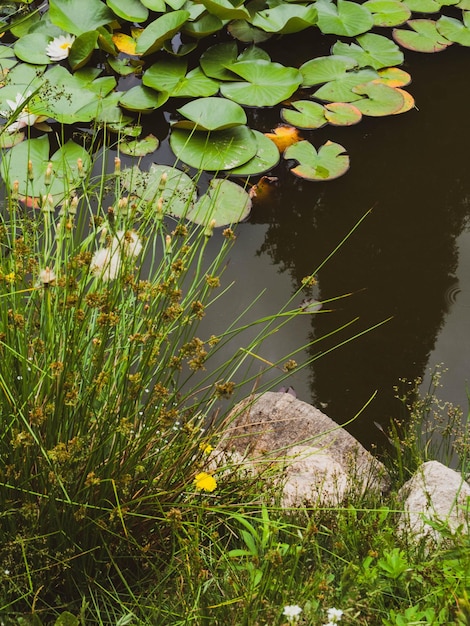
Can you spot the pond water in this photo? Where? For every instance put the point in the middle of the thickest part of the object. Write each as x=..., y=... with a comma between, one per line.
x=409, y=260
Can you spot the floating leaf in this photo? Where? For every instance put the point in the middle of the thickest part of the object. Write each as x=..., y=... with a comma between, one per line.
x=328, y=163
x=341, y=90
x=130, y=10
x=454, y=30
x=226, y=10
x=204, y=26
x=381, y=99
x=264, y=189
x=169, y=75
x=140, y=98
x=124, y=43
x=71, y=17
x=408, y=102
x=7, y=139
x=394, y=77
x=344, y=18
x=423, y=38
x=32, y=48
x=139, y=147
x=82, y=49
x=325, y=69
x=388, y=12
x=284, y=136
x=285, y=18
x=211, y=114
x=427, y=6
x=159, y=31
x=266, y=84
x=224, y=202
x=307, y=114
x=371, y=51
x=244, y=31
x=342, y=114
x=216, y=150
x=214, y=61
x=175, y=188
x=266, y=157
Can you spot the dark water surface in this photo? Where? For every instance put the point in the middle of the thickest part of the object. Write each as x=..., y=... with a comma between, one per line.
x=408, y=260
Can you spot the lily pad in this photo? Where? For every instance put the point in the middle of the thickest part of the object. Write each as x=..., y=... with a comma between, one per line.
x=224, y=202
x=408, y=101
x=325, y=69
x=388, y=12
x=454, y=30
x=286, y=18
x=342, y=114
x=307, y=114
x=140, y=98
x=65, y=173
x=204, y=26
x=284, y=136
x=341, y=90
x=174, y=187
x=160, y=30
x=428, y=6
x=170, y=75
x=424, y=36
x=371, y=51
x=226, y=10
x=82, y=49
x=216, y=150
x=139, y=147
x=328, y=163
x=214, y=61
x=32, y=48
x=131, y=10
x=244, y=31
x=394, y=77
x=211, y=114
x=267, y=83
x=381, y=99
x=71, y=17
x=267, y=156
x=344, y=18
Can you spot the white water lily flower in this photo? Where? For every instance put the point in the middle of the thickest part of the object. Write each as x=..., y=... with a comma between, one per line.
x=58, y=49
x=23, y=115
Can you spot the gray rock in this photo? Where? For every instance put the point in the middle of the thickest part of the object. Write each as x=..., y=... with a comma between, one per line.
x=321, y=460
x=435, y=493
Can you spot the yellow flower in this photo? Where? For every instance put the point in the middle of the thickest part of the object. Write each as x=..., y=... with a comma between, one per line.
x=10, y=278
x=205, y=482
x=205, y=447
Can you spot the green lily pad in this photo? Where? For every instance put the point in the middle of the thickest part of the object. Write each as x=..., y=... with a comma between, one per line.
x=226, y=10
x=8, y=140
x=341, y=90
x=328, y=163
x=371, y=51
x=70, y=16
x=381, y=99
x=253, y=53
x=174, y=187
x=82, y=49
x=388, y=12
x=139, y=147
x=342, y=114
x=307, y=114
x=224, y=203
x=454, y=30
x=244, y=31
x=424, y=37
x=428, y=6
x=286, y=18
x=160, y=30
x=65, y=173
x=267, y=156
x=170, y=75
x=131, y=10
x=214, y=61
x=211, y=114
x=344, y=18
x=204, y=26
x=32, y=48
x=267, y=83
x=140, y=98
x=216, y=150
x=325, y=69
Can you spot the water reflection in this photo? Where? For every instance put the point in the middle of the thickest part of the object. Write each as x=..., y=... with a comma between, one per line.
x=413, y=171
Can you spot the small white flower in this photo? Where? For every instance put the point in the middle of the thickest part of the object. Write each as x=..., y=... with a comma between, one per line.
x=58, y=49
x=47, y=276
x=130, y=242
x=334, y=615
x=292, y=612
x=106, y=263
x=23, y=116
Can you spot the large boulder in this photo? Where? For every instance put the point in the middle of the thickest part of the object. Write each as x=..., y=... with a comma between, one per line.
x=435, y=494
x=321, y=461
